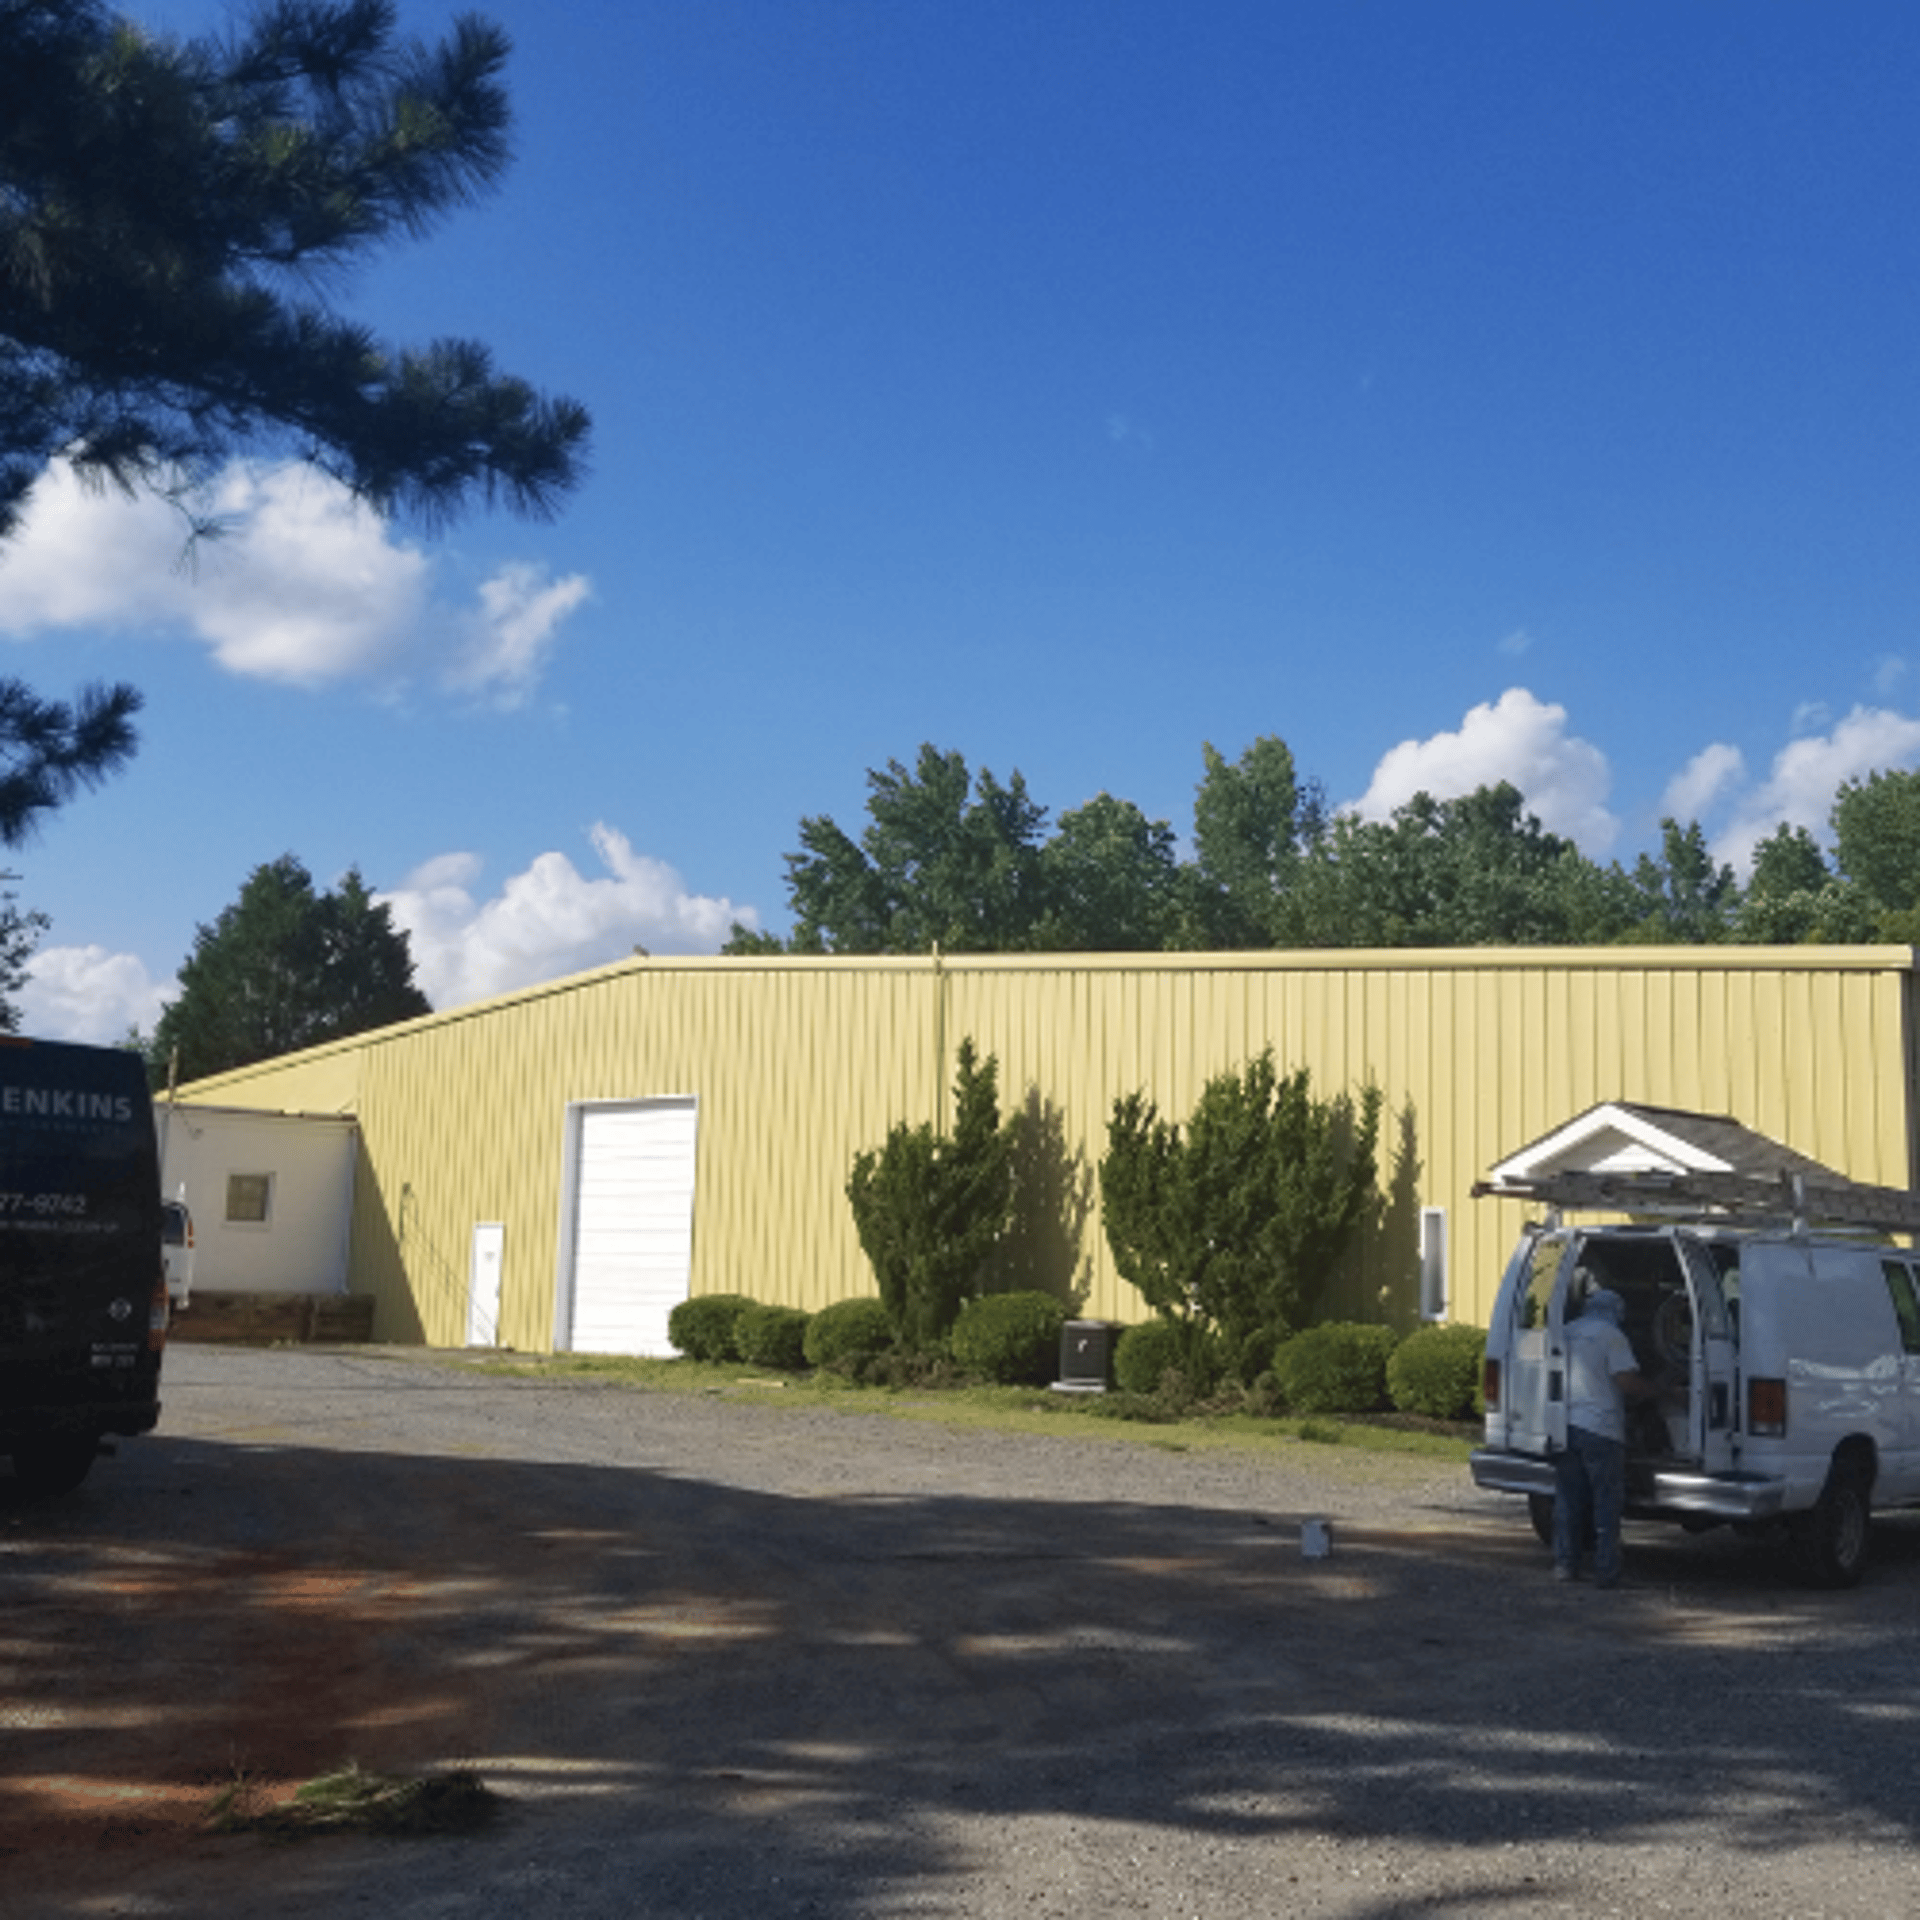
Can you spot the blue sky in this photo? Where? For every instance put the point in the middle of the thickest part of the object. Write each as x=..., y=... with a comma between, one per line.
x=1460, y=392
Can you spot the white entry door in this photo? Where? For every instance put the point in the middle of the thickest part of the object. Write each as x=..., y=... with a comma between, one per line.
x=631, y=1258
x=483, y=1283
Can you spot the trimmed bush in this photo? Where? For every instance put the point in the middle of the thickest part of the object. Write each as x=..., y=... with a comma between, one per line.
x=1010, y=1338
x=703, y=1328
x=1339, y=1368
x=773, y=1337
x=1145, y=1355
x=1435, y=1372
x=848, y=1332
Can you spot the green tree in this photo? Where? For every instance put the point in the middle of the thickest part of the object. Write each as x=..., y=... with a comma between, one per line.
x=1876, y=834
x=20, y=936
x=1234, y=1226
x=285, y=968
x=1476, y=870
x=1794, y=897
x=50, y=750
x=167, y=210
x=1684, y=895
x=1110, y=879
x=1788, y=861
x=946, y=859
x=930, y=1210
x=1251, y=819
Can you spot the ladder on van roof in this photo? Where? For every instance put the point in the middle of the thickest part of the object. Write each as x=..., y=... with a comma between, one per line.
x=1737, y=1199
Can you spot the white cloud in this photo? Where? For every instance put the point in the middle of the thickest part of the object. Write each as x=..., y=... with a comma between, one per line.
x=508, y=639
x=1517, y=642
x=304, y=585
x=550, y=920
x=1888, y=672
x=1691, y=793
x=1517, y=738
x=89, y=994
x=1808, y=772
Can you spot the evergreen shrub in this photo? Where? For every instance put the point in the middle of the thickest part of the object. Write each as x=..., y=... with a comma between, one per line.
x=703, y=1328
x=773, y=1337
x=848, y=1332
x=1338, y=1368
x=1010, y=1338
x=931, y=1207
x=1145, y=1355
x=1436, y=1373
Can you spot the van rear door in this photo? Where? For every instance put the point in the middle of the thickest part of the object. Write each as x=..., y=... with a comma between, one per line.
x=1536, y=1392
x=1712, y=1386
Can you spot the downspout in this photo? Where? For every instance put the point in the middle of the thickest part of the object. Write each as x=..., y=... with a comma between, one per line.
x=1910, y=1050
x=166, y=1112
x=939, y=1044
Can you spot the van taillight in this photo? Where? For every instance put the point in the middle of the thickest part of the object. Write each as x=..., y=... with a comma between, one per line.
x=1490, y=1382
x=157, y=1318
x=1767, y=1408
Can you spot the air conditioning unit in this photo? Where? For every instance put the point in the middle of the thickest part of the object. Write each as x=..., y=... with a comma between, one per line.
x=1086, y=1354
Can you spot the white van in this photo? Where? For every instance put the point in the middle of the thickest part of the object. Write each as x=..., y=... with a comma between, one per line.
x=176, y=1251
x=1798, y=1353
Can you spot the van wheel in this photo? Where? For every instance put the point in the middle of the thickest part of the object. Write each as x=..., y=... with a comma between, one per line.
x=1540, y=1512
x=1831, y=1538
x=54, y=1463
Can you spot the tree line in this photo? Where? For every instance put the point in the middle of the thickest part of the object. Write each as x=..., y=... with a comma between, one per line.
x=958, y=859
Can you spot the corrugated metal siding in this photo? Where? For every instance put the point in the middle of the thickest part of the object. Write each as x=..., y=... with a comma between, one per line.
x=799, y=1063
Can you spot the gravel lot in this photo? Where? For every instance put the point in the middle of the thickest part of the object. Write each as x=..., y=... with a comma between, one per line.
x=734, y=1656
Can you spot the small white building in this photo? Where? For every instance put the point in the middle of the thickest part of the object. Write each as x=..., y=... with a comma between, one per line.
x=271, y=1195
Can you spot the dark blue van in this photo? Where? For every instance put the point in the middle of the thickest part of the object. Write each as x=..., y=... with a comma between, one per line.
x=83, y=1293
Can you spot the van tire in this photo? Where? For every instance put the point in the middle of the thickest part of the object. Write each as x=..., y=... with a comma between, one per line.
x=55, y=1462
x=1831, y=1539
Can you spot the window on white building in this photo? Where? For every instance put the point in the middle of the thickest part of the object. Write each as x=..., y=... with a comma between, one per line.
x=249, y=1199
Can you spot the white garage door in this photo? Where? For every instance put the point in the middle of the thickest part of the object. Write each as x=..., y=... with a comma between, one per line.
x=632, y=1253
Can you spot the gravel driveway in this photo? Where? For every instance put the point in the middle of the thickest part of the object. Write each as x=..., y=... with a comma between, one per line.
x=738, y=1657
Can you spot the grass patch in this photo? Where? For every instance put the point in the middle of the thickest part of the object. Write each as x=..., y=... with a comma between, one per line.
x=1139, y=1418
x=354, y=1800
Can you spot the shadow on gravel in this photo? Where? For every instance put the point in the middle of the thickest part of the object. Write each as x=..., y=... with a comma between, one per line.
x=810, y=1704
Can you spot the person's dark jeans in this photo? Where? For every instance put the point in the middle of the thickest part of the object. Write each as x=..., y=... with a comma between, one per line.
x=1590, y=1489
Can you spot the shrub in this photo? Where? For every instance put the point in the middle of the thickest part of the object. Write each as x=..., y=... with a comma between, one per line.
x=901, y=1368
x=1335, y=1369
x=1147, y=1355
x=1011, y=1338
x=703, y=1328
x=773, y=1337
x=1255, y=1356
x=1240, y=1219
x=930, y=1208
x=1436, y=1372
x=848, y=1332
x=1143, y=1353
x=1264, y=1397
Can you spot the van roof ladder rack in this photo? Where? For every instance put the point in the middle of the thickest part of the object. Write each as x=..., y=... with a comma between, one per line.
x=1740, y=1198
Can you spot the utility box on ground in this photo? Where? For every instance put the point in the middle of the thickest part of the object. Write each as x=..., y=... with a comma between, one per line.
x=1086, y=1356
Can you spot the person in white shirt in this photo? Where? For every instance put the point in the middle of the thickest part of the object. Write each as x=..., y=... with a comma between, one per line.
x=1590, y=1472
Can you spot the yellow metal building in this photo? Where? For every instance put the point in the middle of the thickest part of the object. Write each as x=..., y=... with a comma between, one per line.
x=772, y=1073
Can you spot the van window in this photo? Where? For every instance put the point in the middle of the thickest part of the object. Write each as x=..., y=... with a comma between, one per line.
x=1543, y=1268
x=1906, y=1302
x=1713, y=1267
